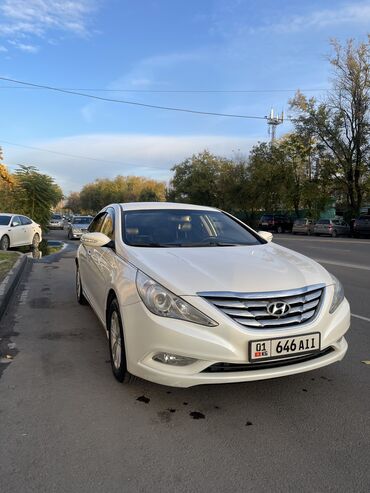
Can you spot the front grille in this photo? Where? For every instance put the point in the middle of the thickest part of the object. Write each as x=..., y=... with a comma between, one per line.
x=250, y=309
x=237, y=367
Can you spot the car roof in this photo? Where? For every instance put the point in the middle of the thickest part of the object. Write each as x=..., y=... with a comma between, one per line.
x=132, y=206
x=9, y=214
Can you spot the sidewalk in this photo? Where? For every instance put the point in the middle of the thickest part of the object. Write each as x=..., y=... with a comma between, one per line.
x=11, y=279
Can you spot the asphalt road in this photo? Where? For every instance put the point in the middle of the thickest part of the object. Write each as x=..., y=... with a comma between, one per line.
x=67, y=426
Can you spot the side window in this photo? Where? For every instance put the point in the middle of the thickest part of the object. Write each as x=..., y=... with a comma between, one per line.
x=16, y=221
x=108, y=224
x=96, y=224
x=25, y=220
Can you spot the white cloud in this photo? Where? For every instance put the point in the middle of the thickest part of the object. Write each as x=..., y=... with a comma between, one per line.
x=25, y=19
x=126, y=154
x=3, y=49
x=28, y=48
x=354, y=13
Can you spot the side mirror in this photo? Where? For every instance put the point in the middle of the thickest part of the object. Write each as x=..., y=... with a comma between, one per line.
x=266, y=235
x=96, y=240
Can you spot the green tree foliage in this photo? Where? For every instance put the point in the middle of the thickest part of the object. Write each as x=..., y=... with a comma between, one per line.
x=74, y=203
x=31, y=193
x=207, y=179
x=94, y=196
x=341, y=123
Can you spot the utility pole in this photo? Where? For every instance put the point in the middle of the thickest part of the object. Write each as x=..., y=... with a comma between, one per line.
x=273, y=121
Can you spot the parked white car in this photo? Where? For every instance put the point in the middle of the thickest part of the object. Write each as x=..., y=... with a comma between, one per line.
x=190, y=295
x=17, y=230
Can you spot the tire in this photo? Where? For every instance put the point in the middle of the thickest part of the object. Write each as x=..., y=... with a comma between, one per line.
x=317, y=234
x=334, y=234
x=79, y=291
x=35, y=241
x=279, y=229
x=309, y=232
x=69, y=235
x=117, y=344
x=4, y=243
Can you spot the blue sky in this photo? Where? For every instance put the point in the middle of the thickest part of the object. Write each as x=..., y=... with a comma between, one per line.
x=161, y=45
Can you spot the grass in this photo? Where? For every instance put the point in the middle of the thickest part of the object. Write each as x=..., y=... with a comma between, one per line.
x=7, y=260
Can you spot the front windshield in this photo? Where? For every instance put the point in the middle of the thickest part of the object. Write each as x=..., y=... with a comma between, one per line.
x=81, y=220
x=4, y=220
x=184, y=228
x=57, y=217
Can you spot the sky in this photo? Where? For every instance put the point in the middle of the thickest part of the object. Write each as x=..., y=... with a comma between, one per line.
x=152, y=52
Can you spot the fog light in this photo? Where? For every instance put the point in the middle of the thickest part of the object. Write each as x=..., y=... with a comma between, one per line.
x=173, y=359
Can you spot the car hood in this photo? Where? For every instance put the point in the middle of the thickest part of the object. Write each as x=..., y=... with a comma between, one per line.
x=267, y=267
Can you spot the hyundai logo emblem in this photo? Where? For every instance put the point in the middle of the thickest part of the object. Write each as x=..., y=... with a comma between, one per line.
x=278, y=308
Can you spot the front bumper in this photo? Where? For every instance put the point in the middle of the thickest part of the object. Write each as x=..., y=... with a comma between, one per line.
x=147, y=334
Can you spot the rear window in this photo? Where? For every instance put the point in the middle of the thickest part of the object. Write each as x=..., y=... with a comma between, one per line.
x=5, y=220
x=323, y=221
x=81, y=220
x=300, y=221
x=57, y=217
x=267, y=217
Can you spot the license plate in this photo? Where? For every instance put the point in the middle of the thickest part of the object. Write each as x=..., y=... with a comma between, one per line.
x=283, y=347
x=264, y=224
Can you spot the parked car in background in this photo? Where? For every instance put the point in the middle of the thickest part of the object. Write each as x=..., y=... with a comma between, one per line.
x=78, y=226
x=361, y=226
x=190, y=295
x=17, y=230
x=279, y=223
x=56, y=222
x=303, y=226
x=332, y=227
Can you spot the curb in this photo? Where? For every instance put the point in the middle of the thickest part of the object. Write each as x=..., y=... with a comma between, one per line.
x=8, y=285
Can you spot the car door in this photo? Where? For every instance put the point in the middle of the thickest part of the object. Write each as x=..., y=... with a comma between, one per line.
x=84, y=259
x=16, y=232
x=29, y=229
x=101, y=264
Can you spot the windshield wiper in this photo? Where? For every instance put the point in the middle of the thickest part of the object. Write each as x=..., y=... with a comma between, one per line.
x=153, y=245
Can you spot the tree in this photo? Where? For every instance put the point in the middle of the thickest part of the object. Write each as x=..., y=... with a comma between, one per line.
x=74, y=202
x=94, y=196
x=35, y=194
x=342, y=122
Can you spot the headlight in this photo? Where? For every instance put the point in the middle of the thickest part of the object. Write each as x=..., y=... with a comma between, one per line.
x=338, y=294
x=162, y=302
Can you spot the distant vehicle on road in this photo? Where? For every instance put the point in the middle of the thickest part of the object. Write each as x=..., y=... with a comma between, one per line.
x=190, y=295
x=303, y=226
x=56, y=222
x=361, y=226
x=332, y=227
x=279, y=223
x=78, y=226
x=17, y=230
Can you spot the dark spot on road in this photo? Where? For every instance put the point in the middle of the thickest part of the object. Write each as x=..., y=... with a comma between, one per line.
x=248, y=423
x=216, y=407
x=326, y=378
x=171, y=410
x=164, y=416
x=42, y=302
x=142, y=398
x=304, y=390
x=45, y=289
x=107, y=360
x=185, y=403
x=313, y=379
x=168, y=392
x=197, y=415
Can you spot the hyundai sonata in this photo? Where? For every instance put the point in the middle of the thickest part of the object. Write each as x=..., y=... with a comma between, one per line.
x=190, y=295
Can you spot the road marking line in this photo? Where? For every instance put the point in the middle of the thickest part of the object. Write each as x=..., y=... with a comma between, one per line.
x=361, y=317
x=321, y=240
x=342, y=264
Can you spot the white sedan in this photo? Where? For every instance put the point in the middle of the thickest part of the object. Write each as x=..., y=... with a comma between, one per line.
x=17, y=230
x=190, y=295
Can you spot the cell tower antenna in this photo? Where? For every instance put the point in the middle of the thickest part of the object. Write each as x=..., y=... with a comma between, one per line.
x=273, y=121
